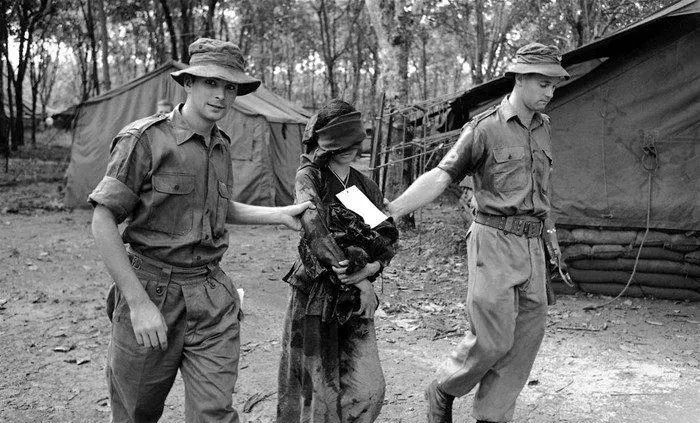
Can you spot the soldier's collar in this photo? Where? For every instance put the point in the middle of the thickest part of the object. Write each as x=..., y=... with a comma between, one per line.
x=183, y=132
x=508, y=112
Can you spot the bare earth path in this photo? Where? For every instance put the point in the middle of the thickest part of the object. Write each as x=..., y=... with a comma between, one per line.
x=636, y=361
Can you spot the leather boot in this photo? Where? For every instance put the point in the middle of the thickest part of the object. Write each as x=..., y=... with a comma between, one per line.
x=439, y=404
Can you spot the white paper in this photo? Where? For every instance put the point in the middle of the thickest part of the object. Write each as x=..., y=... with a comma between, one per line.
x=241, y=294
x=355, y=200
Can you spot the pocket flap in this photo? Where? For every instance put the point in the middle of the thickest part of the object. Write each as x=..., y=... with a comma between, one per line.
x=505, y=154
x=173, y=183
x=224, y=190
x=548, y=153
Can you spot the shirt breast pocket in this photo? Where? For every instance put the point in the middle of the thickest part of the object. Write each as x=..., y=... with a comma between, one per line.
x=544, y=164
x=508, y=173
x=222, y=208
x=171, y=210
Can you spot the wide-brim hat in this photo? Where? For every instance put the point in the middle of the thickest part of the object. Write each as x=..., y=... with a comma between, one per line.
x=210, y=58
x=537, y=58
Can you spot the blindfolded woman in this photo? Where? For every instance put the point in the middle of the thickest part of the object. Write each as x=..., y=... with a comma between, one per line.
x=330, y=369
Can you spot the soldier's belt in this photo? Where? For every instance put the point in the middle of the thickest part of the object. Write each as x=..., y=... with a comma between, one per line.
x=528, y=226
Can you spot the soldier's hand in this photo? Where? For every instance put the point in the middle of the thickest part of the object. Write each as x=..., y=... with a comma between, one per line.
x=290, y=214
x=149, y=325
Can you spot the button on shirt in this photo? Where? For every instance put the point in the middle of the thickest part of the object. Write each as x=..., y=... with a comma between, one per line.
x=510, y=163
x=173, y=186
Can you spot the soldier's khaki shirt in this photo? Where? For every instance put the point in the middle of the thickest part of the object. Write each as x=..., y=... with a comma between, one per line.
x=510, y=164
x=172, y=186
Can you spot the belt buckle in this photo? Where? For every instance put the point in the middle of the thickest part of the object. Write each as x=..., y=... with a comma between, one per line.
x=518, y=226
x=533, y=229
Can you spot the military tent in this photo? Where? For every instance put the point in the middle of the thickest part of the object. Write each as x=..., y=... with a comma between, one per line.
x=626, y=136
x=265, y=132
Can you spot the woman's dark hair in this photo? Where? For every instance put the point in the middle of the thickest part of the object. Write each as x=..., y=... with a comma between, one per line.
x=328, y=112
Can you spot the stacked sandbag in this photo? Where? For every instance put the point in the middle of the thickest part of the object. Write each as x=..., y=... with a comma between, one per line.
x=601, y=261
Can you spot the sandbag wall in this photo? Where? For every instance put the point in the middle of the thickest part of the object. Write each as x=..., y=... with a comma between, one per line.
x=601, y=261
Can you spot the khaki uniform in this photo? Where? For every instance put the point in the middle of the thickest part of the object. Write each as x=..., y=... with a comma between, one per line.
x=506, y=298
x=173, y=187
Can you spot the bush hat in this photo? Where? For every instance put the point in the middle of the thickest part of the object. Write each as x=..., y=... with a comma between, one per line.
x=210, y=58
x=537, y=58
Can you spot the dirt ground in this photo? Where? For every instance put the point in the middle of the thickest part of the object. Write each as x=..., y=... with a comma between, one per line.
x=634, y=361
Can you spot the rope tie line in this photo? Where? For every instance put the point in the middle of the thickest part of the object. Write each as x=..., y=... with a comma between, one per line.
x=650, y=163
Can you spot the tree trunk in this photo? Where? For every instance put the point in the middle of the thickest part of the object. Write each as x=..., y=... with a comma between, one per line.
x=209, y=22
x=327, y=46
x=90, y=24
x=171, y=29
x=374, y=79
x=104, y=39
x=4, y=123
x=424, y=64
x=478, y=61
x=393, y=26
x=224, y=33
x=159, y=35
x=356, y=67
x=18, y=123
x=186, y=29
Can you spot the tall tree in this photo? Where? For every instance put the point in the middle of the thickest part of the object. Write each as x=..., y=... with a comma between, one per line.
x=171, y=29
x=393, y=22
x=25, y=18
x=42, y=77
x=482, y=28
x=335, y=39
x=90, y=29
x=104, y=41
x=209, y=21
x=4, y=120
x=187, y=34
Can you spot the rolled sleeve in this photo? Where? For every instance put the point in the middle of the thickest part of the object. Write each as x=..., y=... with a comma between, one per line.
x=129, y=163
x=465, y=156
x=116, y=196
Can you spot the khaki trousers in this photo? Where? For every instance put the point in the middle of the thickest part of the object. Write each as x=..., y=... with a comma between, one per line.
x=201, y=308
x=507, y=307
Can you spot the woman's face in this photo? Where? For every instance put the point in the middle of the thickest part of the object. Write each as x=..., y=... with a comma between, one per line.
x=346, y=157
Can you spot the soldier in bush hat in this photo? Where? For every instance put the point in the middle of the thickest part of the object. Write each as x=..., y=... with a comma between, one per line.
x=508, y=153
x=170, y=179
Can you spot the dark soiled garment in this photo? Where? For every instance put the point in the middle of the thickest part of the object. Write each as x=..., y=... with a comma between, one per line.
x=330, y=369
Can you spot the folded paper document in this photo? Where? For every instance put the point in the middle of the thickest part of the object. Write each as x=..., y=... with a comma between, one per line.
x=355, y=200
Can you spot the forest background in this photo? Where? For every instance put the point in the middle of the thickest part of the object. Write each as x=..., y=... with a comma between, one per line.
x=57, y=53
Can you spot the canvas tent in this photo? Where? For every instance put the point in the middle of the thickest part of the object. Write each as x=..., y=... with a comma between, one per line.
x=265, y=132
x=635, y=88
x=630, y=115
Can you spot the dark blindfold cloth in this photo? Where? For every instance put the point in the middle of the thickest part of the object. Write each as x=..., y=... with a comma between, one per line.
x=341, y=133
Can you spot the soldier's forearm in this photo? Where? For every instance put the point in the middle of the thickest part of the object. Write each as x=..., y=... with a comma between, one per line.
x=111, y=247
x=421, y=192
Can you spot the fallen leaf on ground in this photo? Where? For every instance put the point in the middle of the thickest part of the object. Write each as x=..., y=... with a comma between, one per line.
x=407, y=324
x=255, y=399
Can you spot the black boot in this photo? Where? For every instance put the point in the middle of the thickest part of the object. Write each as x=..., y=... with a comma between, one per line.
x=439, y=404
